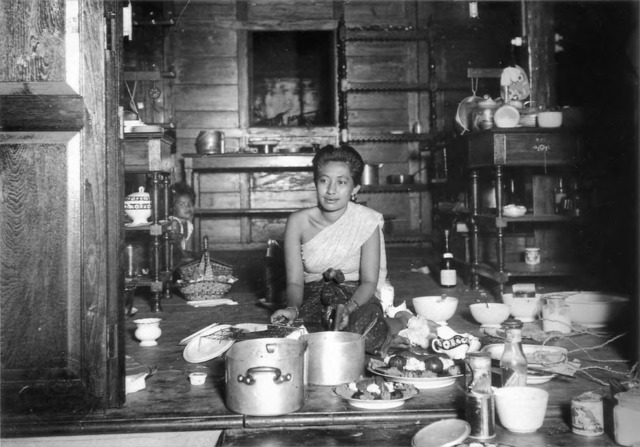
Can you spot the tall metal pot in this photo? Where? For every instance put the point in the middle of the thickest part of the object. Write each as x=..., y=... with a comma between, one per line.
x=334, y=357
x=265, y=377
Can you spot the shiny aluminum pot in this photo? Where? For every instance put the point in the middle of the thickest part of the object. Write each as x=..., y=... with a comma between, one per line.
x=265, y=377
x=334, y=357
x=370, y=174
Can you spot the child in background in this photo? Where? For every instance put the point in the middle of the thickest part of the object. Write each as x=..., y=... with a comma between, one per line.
x=183, y=205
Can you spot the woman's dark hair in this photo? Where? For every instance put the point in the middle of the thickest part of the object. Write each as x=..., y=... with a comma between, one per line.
x=343, y=153
x=182, y=189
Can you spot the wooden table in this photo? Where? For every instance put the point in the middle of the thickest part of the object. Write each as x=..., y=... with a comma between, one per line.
x=170, y=403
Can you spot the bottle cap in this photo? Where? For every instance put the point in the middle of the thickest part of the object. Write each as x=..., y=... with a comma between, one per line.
x=512, y=323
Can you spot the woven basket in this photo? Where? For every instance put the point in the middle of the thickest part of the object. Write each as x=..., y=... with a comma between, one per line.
x=205, y=279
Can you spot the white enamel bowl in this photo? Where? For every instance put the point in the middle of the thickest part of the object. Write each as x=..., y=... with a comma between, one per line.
x=521, y=409
x=525, y=309
x=490, y=314
x=595, y=309
x=436, y=308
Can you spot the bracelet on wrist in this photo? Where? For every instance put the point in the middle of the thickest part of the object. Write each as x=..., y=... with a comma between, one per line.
x=295, y=309
x=355, y=304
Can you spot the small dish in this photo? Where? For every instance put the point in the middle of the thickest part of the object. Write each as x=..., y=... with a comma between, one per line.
x=345, y=392
x=444, y=433
x=197, y=378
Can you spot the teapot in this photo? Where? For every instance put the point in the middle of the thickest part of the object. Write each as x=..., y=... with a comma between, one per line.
x=138, y=207
x=483, y=117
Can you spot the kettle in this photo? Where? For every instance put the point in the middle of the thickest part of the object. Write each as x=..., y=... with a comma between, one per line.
x=210, y=142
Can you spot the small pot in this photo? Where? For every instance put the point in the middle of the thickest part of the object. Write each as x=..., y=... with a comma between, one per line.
x=334, y=357
x=370, y=174
x=210, y=142
x=265, y=377
x=400, y=179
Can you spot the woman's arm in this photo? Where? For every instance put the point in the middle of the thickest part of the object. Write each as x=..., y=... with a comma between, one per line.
x=369, y=271
x=293, y=268
x=293, y=260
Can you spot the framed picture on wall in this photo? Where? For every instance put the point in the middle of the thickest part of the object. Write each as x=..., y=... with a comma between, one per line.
x=292, y=78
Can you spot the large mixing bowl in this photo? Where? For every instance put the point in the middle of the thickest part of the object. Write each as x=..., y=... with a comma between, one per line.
x=436, y=308
x=595, y=309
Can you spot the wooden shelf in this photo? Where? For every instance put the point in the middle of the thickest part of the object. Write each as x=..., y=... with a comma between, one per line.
x=389, y=138
x=246, y=162
x=209, y=212
x=380, y=87
x=535, y=218
x=393, y=188
x=521, y=269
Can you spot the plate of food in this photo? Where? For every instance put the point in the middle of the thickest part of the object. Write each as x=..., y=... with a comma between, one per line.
x=375, y=393
x=422, y=371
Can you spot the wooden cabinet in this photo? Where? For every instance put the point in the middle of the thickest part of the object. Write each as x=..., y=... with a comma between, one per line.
x=545, y=154
x=150, y=156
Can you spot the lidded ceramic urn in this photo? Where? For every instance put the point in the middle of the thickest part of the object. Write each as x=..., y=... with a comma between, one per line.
x=138, y=207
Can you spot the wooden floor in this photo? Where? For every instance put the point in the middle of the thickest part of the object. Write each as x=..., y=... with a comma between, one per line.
x=170, y=403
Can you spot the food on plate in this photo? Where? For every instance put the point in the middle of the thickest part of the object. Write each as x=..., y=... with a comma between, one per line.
x=376, y=388
x=408, y=364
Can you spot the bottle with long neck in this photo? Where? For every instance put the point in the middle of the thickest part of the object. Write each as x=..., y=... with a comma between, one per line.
x=513, y=364
x=448, y=274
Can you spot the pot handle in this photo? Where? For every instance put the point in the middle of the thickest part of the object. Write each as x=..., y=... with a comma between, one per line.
x=278, y=378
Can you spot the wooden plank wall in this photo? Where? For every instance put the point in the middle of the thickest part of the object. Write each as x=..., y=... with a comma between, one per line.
x=208, y=51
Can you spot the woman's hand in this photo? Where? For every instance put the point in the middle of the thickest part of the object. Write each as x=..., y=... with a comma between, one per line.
x=285, y=316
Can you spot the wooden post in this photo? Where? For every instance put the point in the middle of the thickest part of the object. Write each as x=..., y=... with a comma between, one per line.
x=540, y=37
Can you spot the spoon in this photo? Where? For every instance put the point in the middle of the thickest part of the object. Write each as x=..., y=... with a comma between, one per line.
x=443, y=298
x=368, y=329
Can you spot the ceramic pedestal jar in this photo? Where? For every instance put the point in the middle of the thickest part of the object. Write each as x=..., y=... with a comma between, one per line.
x=148, y=331
x=138, y=207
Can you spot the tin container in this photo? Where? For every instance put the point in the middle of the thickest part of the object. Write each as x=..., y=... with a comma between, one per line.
x=480, y=413
x=587, y=415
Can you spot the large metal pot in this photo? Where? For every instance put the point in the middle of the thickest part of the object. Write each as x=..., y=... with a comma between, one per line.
x=265, y=377
x=334, y=357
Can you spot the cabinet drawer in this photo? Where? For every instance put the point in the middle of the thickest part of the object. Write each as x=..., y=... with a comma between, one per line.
x=531, y=147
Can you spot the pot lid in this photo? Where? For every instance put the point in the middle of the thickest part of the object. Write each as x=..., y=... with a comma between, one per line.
x=140, y=195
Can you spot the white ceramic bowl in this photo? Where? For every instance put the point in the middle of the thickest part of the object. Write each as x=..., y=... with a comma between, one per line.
x=550, y=119
x=514, y=210
x=521, y=409
x=595, y=309
x=490, y=314
x=524, y=309
x=435, y=308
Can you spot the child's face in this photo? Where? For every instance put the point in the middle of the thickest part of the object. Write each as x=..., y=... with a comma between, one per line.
x=183, y=207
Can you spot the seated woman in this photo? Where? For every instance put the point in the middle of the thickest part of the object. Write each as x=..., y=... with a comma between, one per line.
x=335, y=255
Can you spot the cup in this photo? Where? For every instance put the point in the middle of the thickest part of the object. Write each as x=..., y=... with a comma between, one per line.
x=532, y=255
x=197, y=378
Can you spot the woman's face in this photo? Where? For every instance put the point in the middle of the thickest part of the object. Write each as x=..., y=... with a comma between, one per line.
x=335, y=186
x=183, y=207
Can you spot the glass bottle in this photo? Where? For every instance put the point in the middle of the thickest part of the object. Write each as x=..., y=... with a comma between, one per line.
x=560, y=195
x=513, y=364
x=448, y=274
